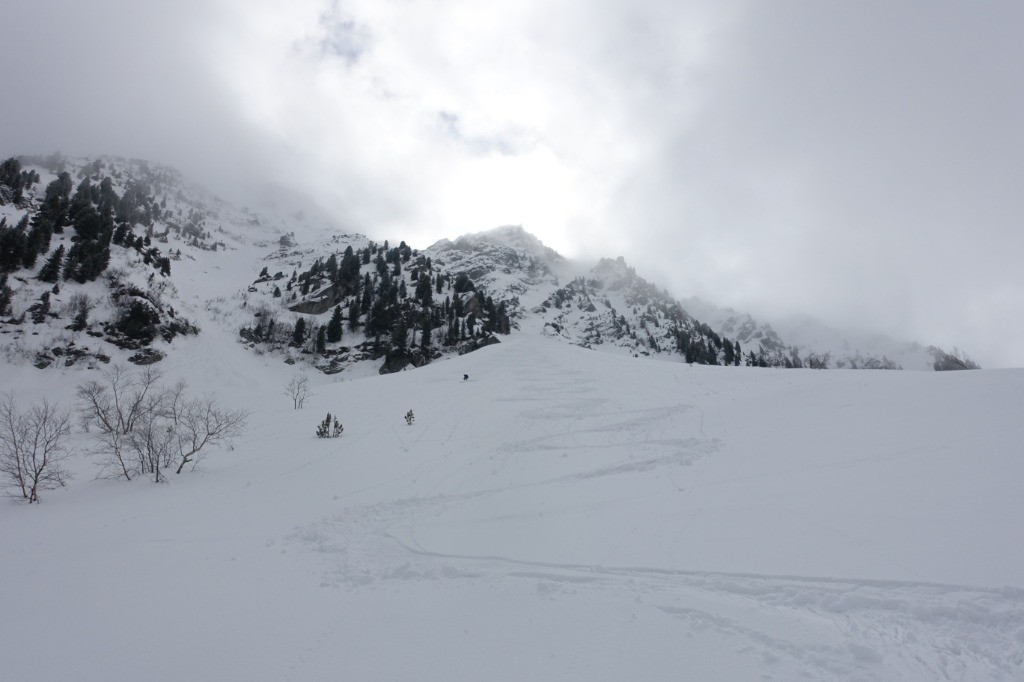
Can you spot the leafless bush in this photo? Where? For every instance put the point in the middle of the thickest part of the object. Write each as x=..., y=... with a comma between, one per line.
x=298, y=390
x=32, y=448
x=116, y=407
x=145, y=428
x=115, y=274
x=78, y=308
x=196, y=423
x=76, y=303
x=151, y=440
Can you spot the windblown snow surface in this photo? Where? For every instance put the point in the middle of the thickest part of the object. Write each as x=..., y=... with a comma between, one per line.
x=564, y=514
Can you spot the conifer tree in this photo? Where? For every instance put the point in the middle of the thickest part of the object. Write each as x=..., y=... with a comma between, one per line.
x=424, y=291
x=367, y=301
x=727, y=350
x=400, y=332
x=42, y=309
x=81, y=319
x=334, y=327
x=71, y=263
x=56, y=202
x=5, y=295
x=34, y=242
x=13, y=243
x=324, y=428
x=299, y=333
x=427, y=330
x=353, y=315
x=50, y=271
x=349, y=265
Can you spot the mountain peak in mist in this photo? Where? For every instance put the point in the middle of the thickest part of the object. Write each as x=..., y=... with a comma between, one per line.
x=509, y=236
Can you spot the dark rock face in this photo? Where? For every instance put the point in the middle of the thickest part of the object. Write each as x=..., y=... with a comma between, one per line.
x=477, y=344
x=71, y=355
x=325, y=300
x=146, y=356
x=397, y=360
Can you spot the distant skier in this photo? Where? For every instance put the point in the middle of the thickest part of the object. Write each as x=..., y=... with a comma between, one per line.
x=465, y=377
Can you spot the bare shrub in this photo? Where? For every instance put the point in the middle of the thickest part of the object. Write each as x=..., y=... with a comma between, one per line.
x=145, y=427
x=78, y=308
x=197, y=423
x=115, y=407
x=298, y=390
x=32, y=448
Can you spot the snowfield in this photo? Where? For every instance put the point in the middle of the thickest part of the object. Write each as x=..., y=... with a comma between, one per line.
x=562, y=515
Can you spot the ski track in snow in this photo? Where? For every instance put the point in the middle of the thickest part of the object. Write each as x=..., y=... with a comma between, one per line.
x=790, y=626
x=820, y=627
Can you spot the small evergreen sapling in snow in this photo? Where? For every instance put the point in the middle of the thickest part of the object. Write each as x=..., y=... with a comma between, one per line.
x=324, y=429
x=409, y=417
x=330, y=427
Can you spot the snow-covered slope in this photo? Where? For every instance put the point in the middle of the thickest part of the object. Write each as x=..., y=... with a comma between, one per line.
x=610, y=308
x=153, y=224
x=563, y=514
x=848, y=348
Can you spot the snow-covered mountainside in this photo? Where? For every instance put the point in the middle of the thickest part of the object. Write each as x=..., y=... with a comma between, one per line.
x=508, y=261
x=848, y=348
x=562, y=514
x=91, y=254
x=90, y=268
x=549, y=506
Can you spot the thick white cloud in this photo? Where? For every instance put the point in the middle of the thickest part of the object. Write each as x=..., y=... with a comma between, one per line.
x=858, y=162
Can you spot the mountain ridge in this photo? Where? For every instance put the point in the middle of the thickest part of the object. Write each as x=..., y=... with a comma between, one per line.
x=402, y=306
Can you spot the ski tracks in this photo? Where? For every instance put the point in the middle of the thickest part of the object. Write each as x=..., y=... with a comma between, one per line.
x=783, y=627
x=818, y=627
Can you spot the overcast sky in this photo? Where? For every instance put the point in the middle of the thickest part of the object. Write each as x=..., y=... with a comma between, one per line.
x=861, y=162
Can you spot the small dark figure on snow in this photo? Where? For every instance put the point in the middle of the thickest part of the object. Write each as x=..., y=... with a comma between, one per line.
x=465, y=377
